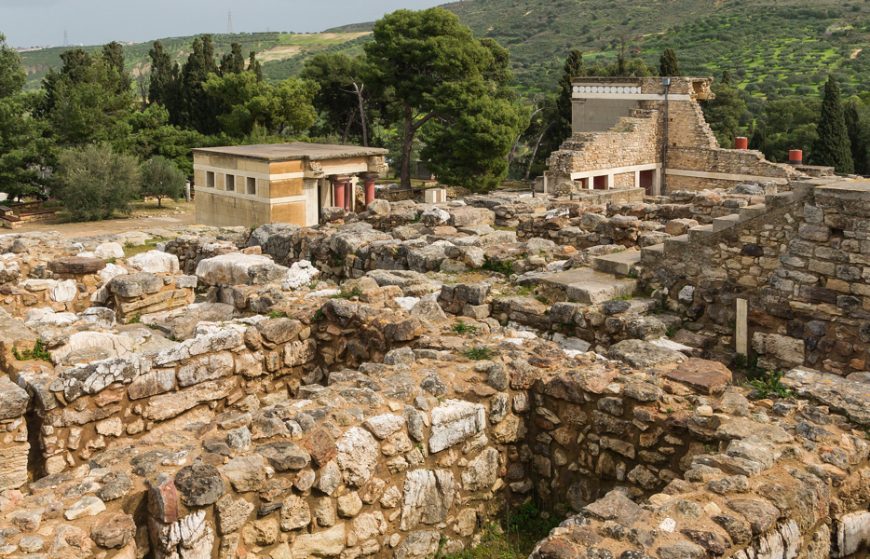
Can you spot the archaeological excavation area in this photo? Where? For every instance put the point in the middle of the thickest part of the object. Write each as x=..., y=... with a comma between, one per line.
x=678, y=376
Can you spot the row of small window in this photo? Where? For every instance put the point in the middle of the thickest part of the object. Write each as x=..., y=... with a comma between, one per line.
x=230, y=182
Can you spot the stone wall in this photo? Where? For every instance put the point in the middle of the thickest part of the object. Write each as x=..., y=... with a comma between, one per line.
x=14, y=445
x=743, y=164
x=802, y=267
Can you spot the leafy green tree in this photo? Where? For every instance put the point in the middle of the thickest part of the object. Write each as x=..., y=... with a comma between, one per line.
x=12, y=74
x=21, y=139
x=342, y=97
x=83, y=102
x=233, y=62
x=857, y=128
x=832, y=146
x=95, y=181
x=422, y=61
x=165, y=79
x=789, y=123
x=243, y=105
x=668, y=64
x=162, y=179
x=469, y=140
x=153, y=135
x=727, y=114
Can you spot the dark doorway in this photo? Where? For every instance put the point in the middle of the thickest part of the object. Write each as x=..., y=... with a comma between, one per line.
x=647, y=181
x=600, y=183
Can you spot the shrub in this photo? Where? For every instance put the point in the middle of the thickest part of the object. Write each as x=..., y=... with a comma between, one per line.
x=95, y=181
x=162, y=179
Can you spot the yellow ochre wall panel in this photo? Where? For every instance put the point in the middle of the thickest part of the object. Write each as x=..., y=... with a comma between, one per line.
x=292, y=212
x=282, y=167
x=284, y=188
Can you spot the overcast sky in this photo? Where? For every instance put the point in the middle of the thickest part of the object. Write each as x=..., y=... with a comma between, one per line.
x=42, y=22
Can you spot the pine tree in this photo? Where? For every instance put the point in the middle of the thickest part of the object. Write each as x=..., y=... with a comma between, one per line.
x=233, y=62
x=832, y=147
x=668, y=65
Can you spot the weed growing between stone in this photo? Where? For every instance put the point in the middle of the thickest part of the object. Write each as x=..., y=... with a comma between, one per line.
x=462, y=328
x=513, y=538
x=479, y=353
x=769, y=385
x=37, y=353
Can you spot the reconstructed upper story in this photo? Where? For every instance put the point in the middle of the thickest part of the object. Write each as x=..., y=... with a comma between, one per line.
x=288, y=183
x=650, y=133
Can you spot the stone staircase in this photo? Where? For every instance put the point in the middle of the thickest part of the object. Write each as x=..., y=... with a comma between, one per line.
x=626, y=263
x=719, y=227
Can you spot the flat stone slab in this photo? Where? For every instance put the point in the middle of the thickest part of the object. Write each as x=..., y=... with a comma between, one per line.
x=840, y=394
x=584, y=285
x=710, y=377
x=77, y=265
x=641, y=354
x=619, y=263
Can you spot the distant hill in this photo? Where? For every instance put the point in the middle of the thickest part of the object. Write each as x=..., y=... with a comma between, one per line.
x=769, y=46
x=275, y=50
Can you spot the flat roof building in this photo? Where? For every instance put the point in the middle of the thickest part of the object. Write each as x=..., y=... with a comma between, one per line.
x=280, y=183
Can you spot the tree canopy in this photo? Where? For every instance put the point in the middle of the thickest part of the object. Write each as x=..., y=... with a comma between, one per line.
x=425, y=63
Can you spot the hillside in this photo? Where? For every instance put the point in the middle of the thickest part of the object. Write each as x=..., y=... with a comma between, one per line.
x=771, y=47
x=275, y=50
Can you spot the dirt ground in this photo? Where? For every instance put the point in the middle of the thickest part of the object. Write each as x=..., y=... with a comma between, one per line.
x=145, y=216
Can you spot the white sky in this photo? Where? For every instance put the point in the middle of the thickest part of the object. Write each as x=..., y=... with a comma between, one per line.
x=42, y=22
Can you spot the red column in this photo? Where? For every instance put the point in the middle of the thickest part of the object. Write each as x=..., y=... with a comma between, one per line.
x=348, y=194
x=741, y=142
x=338, y=187
x=796, y=156
x=370, y=189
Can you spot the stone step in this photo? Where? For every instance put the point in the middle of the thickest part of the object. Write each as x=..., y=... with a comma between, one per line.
x=652, y=253
x=748, y=212
x=725, y=222
x=779, y=199
x=675, y=244
x=619, y=263
x=700, y=232
x=585, y=285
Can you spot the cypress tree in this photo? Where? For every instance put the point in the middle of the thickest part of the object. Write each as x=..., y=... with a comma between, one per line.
x=165, y=87
x=832, y=148
x=113, y=56
x=856, y=138
x=233, y=62
x=255, y=66
x=196, y=110
x=668, y=65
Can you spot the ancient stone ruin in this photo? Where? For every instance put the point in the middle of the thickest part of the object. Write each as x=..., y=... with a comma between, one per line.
x=390, y=383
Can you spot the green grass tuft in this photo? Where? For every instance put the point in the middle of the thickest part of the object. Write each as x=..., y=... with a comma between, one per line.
x=479, y=353
x=39, y=352
x=462, y=328
x=769, y=385
x=513, y=538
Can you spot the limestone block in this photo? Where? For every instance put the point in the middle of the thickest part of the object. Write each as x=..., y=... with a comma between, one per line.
x=155, y=262
x=455, y=421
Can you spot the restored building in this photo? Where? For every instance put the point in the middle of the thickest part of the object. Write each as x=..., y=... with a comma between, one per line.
x=650, y=133
x=287, y=183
